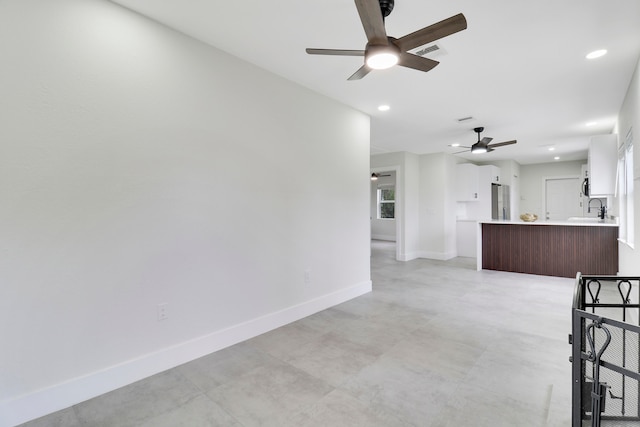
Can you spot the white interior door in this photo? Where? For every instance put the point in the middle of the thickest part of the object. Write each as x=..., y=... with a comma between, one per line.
x=562, y=198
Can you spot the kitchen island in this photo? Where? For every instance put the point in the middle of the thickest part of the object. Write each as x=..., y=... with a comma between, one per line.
x=549, y=248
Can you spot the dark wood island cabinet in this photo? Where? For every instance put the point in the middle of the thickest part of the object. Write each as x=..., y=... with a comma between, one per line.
x=551, y=249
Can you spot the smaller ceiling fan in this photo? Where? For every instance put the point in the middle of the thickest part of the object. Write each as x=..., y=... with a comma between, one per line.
x=375, y=176
x=483, y=146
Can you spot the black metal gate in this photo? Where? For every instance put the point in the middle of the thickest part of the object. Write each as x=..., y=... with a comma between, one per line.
x=606, y=351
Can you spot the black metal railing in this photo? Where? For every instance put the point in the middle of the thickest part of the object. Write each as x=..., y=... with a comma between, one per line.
x=605, y=357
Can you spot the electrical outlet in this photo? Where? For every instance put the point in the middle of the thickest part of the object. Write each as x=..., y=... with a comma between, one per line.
x=163, y=311
x=307, y=277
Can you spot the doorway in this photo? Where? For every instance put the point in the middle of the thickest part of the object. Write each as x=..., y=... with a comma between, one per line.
x=386, y=229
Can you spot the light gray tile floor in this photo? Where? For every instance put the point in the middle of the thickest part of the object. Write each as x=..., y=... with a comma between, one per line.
x=436, y=343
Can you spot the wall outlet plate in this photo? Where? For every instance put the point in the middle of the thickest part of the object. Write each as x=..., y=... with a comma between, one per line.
x=163, y=313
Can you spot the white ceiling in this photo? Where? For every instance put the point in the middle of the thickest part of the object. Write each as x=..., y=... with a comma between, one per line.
x=519, y=69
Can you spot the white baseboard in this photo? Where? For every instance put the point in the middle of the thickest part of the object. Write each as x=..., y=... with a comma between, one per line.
x=441, y=256
x=64, y=395
x=409, y=256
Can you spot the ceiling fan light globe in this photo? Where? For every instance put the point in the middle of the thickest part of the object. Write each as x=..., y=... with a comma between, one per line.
x=478, y=148
x=380, y=57
x=382, y=60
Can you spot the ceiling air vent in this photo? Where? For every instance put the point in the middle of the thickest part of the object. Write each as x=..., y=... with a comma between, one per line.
x=428, y=49
x=465, y=119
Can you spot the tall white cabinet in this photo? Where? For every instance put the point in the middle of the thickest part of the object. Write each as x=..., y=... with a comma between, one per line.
x=603, y=160
x=473, y=196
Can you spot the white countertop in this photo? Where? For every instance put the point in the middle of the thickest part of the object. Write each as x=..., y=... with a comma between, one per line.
x=591, y=222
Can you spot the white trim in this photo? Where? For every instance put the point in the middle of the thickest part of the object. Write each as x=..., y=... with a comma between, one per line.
x=64, y=395
x=624, y=242
x=385, y=237
x=441, y=256
x=479, y=247
x=408, y=257
x=386, y=187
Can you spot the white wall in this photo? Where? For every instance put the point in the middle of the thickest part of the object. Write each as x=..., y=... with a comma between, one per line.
x=532, y=184
x=138, y=167
x=437, y=206
x=629, y=118
x=410, y=226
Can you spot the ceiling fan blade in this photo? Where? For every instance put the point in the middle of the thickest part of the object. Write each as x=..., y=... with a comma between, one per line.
x=500, y=144
x=362, y=71
x=416, y=62
x=486, y=140
x=372, y=21
x=343, y=52
x=432, y=32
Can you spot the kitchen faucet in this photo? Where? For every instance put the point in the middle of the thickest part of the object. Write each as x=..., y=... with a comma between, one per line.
x=602, y=209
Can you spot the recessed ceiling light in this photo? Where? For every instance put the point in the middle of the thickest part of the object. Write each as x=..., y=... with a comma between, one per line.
x=384, y=108
x=552, y=148
x=591, y=123
x=556, y=158
x=597, y=54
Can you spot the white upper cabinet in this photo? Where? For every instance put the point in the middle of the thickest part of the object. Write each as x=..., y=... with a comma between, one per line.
x=473, y=182
x=466, y=182
x=494, y=173
x=603, y=159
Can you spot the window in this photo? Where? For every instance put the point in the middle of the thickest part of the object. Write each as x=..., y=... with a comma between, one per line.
x=386, y=202
x=625, y=190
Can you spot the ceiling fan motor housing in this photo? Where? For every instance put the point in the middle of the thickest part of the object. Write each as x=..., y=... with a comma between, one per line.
x=376, y=49
x=386, y=6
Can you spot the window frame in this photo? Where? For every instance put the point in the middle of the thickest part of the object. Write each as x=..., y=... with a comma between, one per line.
x=381, y=201
x=625, y=191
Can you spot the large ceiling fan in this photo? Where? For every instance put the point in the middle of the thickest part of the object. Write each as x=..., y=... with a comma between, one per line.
x=483, y=145
x=383, y=51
